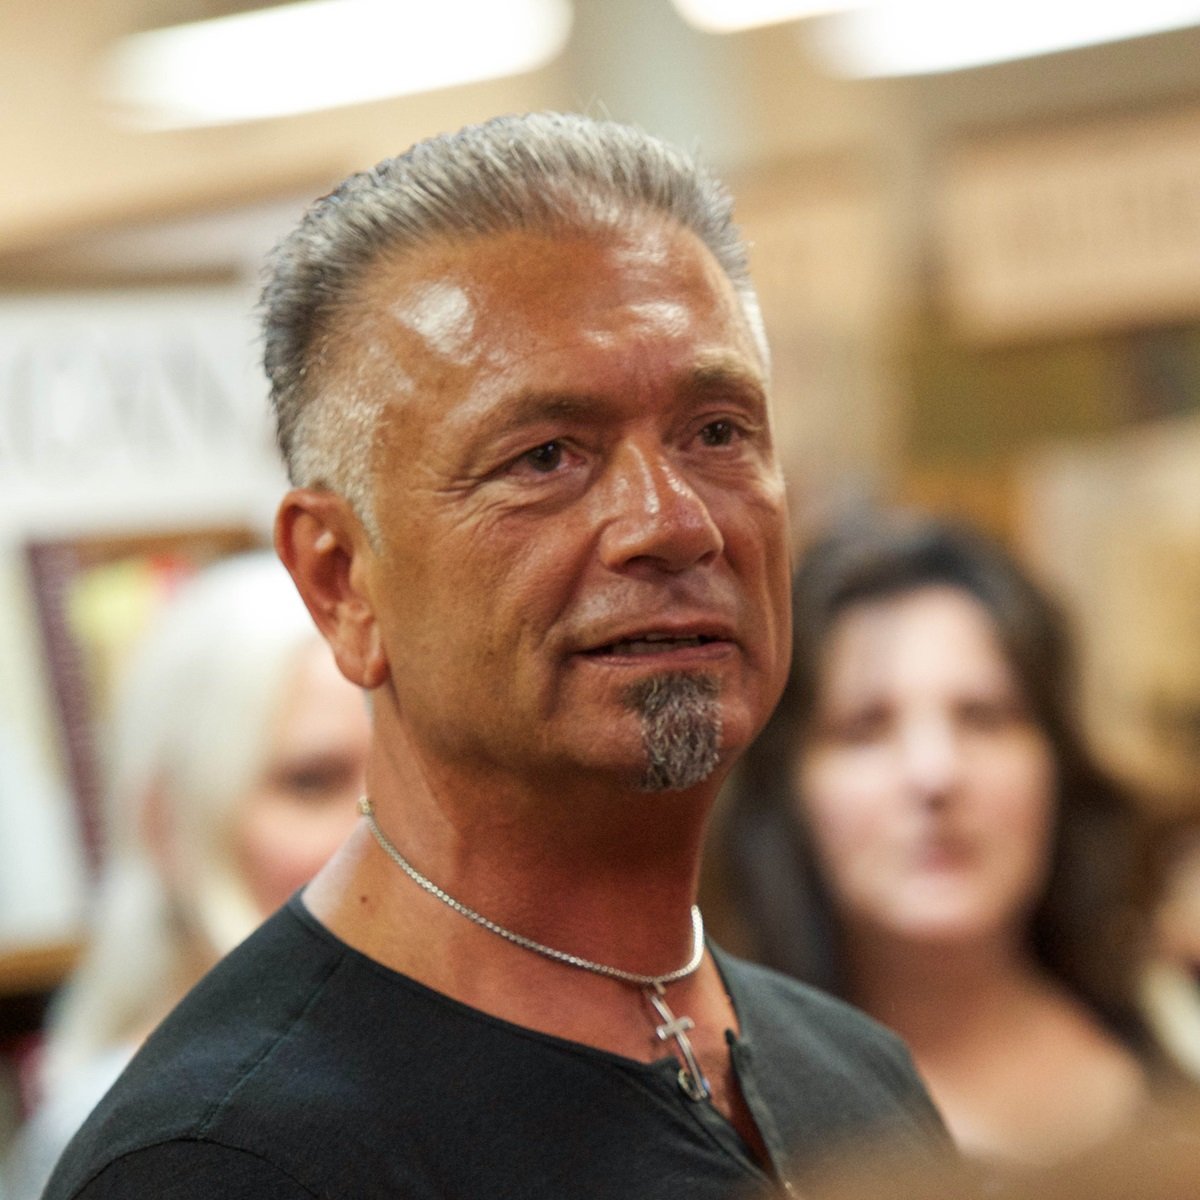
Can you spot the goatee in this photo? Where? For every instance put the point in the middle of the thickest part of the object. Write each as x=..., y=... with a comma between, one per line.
x=681, y=729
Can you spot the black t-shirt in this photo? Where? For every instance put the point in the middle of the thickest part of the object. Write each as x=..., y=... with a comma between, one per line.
x=299, y=1068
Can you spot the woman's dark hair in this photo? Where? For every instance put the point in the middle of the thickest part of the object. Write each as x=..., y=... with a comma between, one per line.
x=1081, y=930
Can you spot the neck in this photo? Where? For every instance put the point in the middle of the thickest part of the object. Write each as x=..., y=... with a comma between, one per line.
x=616, y=891
x=911, y=987
x=605, y=873
x=1020, y=1068
x=655, y=982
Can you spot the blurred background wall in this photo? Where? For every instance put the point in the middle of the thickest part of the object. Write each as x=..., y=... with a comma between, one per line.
x=982, y=287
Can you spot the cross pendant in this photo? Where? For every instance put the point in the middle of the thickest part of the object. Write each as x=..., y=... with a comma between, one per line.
x=691, y=1077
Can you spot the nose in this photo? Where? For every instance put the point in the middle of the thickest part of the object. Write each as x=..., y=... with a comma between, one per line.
x=655, y=517
x=931, y=757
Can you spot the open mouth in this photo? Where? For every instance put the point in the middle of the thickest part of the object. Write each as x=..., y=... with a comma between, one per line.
x=653, y=643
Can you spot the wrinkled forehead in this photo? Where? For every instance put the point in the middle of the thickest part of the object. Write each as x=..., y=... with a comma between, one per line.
x=441, y=291
x=493, y=302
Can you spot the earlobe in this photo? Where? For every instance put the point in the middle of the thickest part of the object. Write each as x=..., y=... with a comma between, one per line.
x=325, y=549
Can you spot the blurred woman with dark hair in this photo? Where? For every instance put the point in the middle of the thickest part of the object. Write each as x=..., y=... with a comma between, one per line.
x=921, y=830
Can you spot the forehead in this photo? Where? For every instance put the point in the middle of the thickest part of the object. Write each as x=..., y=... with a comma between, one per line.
x=935, y=634
x=559, y=304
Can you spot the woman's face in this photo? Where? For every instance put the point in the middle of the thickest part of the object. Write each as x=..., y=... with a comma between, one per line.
x=303, y=804
x=928, y=789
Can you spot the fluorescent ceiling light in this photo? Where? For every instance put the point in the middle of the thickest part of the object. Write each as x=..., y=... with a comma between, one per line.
x=916, y=37
x=726, y=16
x=319, y=54
x=861, y=38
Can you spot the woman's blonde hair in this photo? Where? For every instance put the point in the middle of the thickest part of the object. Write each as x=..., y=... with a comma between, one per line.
x=190, y=727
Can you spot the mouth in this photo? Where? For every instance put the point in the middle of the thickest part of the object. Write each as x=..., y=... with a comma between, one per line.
x=650, y=644
x=654, y=643
x=945, y=853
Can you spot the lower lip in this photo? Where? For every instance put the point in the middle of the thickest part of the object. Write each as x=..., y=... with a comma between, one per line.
x=944, y=859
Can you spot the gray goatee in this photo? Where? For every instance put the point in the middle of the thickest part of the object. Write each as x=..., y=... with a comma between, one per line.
x=681, y=729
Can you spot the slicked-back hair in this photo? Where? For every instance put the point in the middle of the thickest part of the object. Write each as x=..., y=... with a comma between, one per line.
x=1080, y=930
x=542, y=172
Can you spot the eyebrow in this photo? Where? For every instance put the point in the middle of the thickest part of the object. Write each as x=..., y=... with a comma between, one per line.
x=721, y=374
x=711, y=374
x=528, y=408
x=725, y=373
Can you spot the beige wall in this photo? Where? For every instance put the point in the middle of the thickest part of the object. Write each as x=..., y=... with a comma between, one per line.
x=68, y=168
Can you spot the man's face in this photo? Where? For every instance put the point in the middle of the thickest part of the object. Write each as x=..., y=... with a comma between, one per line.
x=577, y=494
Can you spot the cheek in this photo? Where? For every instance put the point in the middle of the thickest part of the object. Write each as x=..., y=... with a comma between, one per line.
x=464, y=584
x=1024, y=786
x=281, y=845
x=757, y=541
x=845, y=806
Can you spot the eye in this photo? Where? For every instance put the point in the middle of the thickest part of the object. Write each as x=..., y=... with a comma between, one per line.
x=991, y=713
x=548, y=463
x=719, y=433
x=315, y=782
x=857, y=727
x=545, y=458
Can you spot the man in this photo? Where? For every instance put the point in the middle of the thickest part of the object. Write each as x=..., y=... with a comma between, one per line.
x=521, y=387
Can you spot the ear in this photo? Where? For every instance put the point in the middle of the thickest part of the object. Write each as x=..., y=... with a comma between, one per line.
x=323, y=544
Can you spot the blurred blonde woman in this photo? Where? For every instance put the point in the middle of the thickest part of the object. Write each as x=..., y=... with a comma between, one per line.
x=236, y=756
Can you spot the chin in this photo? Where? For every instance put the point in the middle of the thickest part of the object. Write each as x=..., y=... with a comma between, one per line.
x=739, y=728
x=947, y=929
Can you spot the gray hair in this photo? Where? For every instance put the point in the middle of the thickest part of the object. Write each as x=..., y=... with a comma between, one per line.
x=541, y=171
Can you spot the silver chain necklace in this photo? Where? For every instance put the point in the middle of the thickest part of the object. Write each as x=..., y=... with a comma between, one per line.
x=691, y=1078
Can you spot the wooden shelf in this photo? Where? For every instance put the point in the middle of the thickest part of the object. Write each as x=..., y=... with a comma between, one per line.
x=38, y=968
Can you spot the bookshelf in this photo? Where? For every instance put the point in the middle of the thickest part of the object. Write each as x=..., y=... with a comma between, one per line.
x=36, y=969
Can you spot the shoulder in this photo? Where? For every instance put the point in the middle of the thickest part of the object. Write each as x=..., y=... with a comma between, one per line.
x=779, y=1006
x=206, y=1079
x=41, y=1141
x=825, y=1066
x=190, y=1170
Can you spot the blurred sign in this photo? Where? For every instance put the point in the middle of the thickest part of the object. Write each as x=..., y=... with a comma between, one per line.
x=1080, y=229
x=825, y=265
x=1115, y=526
x=127, y=406
x=819, y=247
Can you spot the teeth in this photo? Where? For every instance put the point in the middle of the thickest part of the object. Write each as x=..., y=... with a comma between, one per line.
x=654, y=642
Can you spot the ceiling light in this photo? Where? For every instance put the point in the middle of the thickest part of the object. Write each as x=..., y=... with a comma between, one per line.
x=319, y=54
x=726, y=16
x=916, y=37
x=861, y=38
